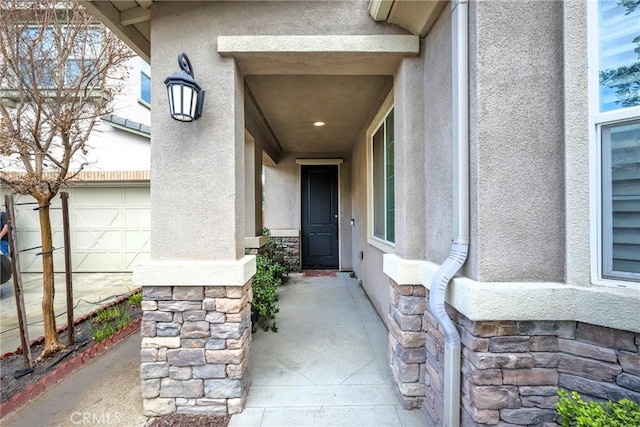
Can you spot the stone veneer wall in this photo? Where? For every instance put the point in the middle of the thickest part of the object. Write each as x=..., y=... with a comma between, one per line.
x=511, y=370
x=291, y=250
x=195, y=349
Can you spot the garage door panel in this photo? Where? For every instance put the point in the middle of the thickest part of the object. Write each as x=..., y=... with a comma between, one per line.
x=136, y=238
x=110, y=229
x=94, y=261
x=137, y=196
x=137, y=217
x=98, y=239
x=100, y=196
x=97, y=218
x=133, y=258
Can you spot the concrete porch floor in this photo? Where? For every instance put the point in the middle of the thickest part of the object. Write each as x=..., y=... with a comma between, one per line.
x=327, y=364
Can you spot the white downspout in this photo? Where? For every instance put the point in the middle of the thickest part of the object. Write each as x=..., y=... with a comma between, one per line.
x=460, y=246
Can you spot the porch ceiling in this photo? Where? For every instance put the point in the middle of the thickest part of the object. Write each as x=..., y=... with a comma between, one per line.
x=291, y=103
x=340, y=90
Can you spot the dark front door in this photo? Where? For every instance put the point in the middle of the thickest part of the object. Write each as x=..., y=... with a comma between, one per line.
x=320, y=216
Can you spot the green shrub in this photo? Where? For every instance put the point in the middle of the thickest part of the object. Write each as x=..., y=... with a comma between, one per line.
x=266, y=281
x=575, y=412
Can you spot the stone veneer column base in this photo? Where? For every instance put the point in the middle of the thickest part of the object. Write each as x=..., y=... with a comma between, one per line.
x=195, y=349
x=407, y=354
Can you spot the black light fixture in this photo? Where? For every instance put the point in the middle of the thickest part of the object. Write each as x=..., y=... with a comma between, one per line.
x=185, y=95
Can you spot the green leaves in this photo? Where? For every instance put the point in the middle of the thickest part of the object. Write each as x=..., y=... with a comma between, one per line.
x=266, y=281
x=575, y=412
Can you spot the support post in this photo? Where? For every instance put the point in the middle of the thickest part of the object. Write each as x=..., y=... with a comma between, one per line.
x=17, y=282
x=67, y=265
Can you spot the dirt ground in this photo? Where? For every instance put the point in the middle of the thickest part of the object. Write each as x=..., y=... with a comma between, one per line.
x=183, y=420
x=9, y=366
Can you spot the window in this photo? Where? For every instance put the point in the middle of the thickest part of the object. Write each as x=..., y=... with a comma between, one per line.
x=48, y=58
x=381, y=179
x=145, y=82
x=615, y=107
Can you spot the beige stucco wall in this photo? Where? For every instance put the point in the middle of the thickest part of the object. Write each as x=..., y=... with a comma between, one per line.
x=368, y=269
x=282, y=194
x=576, y=134
x=517, y=155
x=437, y=151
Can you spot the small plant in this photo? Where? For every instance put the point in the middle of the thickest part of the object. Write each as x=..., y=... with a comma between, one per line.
x=135, y=299
x=108, y=314
x=575, y=412
x=100, y=331
x=108, y=321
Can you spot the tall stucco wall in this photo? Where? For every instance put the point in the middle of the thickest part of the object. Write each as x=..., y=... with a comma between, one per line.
x=409, y=174
x=367, y=268
x=437, y=152
x=282, y=195
x=576, y=127
x=517, y=157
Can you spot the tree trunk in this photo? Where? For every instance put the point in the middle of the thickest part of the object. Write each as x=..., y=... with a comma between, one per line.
x=51, y=342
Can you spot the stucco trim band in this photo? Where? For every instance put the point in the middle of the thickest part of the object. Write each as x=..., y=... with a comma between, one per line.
x=255, y=242
x=195, y=272
x=404, y=44
x=599, y=305
x=285, y=233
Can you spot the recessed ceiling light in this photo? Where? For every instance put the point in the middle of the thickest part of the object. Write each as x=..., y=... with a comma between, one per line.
x=318, y=124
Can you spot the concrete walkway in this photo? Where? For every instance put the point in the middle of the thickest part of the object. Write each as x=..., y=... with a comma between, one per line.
x=326, y=366
x=90, y=290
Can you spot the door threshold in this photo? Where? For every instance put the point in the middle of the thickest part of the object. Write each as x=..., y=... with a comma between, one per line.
x=319, y=273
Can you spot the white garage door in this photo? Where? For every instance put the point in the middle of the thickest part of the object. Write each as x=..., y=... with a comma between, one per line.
x=109, y=226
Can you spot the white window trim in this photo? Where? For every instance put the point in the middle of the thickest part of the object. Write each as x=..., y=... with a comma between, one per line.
x=383, y=112
x=140, y=100
x=596, y=121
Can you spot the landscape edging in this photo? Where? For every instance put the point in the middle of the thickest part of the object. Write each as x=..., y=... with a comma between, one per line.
x=66, y=368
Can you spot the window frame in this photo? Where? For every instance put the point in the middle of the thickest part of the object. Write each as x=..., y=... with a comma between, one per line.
x=597, y=122
x=378, y=121
x=145, y=73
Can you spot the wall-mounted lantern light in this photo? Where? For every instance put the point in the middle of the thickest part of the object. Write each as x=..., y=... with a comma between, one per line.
x=185, y=95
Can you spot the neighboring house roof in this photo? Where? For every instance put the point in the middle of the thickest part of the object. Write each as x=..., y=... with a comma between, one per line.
x=127, y=125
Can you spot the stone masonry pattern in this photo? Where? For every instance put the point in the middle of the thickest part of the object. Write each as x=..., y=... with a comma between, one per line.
x=511, y=370
x=291, y=250
x=195, y=349
x=407, y=339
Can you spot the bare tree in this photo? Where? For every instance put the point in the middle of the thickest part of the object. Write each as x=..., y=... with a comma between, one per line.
x=59, y=72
